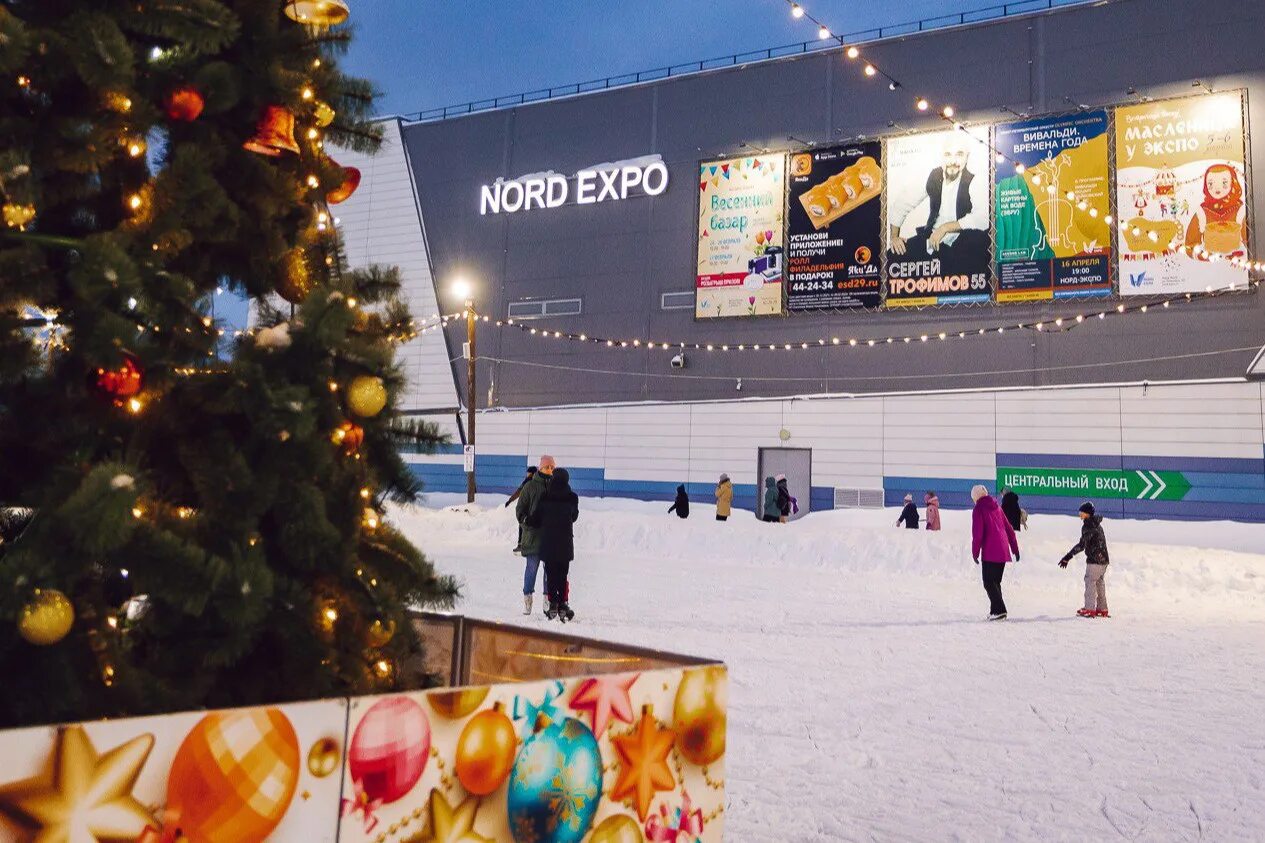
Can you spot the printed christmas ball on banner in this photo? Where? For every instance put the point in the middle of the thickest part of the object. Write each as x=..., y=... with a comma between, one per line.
x=46, y=618
x=366, y=396
x=556, y=784
x=485, y=751
x=389, y=748
x=619, y=828
x=233, y=776
x=699, y=714
x=457, y=704
x=184, y=104
x=324, y=757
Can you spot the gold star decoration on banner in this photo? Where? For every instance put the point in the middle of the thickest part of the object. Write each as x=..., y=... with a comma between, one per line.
x=87, y=797
x=449, y=824
x=644, y=756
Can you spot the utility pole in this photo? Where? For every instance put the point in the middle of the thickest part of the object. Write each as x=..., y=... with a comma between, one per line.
x=470, y=397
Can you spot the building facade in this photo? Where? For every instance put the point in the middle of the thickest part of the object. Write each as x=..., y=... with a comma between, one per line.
x=1113, y=403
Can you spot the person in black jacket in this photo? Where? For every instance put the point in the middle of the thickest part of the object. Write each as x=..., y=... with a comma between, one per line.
x=1094, y=543
x=1010, y=508
x=531, y=470
x=908, y=515
x=783, y=499
x=558, y=509
x=681, y=506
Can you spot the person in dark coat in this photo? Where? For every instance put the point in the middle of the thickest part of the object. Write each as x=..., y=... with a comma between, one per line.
x=908, y=515
x=531, y=470
x=681, y=506
x=557, y=511
x=1010, y=508
x=1094, y=543
x=770, y=514
x=783, y=499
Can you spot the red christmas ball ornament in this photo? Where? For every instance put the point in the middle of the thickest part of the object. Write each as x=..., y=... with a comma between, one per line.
x=184, y=104
x=121, y=383
x=389, y=749
x=349, y=436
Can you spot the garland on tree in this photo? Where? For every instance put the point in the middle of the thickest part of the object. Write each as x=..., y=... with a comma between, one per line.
x=171, y=541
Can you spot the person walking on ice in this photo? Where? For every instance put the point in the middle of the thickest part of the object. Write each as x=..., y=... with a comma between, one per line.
x=681, y=506
x=724, y=498
x=529, y=540
x=770, y=512
x=992, y=542
x=1094, y=543
x=908, y=515
x=933, y=510
x=558, y=510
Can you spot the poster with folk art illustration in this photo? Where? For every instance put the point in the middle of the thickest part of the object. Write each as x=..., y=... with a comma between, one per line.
x=1181, y=194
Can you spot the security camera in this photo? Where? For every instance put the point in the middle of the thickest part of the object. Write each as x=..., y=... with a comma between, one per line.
x=678, y=361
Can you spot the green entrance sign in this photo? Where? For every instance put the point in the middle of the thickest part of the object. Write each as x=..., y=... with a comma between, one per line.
x=1095, y=483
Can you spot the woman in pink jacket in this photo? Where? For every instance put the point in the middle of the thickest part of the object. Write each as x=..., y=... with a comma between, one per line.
x=992, y=541
x=932, y=504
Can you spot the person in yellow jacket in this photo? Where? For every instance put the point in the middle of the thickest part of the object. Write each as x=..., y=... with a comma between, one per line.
x=724, y=498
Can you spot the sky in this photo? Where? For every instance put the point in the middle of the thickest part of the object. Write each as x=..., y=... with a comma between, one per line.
x=428, y=53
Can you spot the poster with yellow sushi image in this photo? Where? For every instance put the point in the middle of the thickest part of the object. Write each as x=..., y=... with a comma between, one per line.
x=1181, y=194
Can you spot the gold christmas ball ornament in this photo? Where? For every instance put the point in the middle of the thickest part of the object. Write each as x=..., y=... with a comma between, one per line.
x=294, y=282
x=323, y=114
x=619, y=828
x=317, y=12
x=17, y=216
x=699, y=714
x=485, y=751
x=379, y=634
x=457, y=704
x=366, y=396
x=324, y=757
x=47, y=618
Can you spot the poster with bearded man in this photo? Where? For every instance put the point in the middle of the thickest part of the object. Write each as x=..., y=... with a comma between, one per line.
x=938, y=211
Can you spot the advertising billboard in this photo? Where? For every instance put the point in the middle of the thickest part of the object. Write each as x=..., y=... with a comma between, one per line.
x=1052, y=205
x=938, y=219
x=1180, y=186
x=834, y=228
x=740, y=233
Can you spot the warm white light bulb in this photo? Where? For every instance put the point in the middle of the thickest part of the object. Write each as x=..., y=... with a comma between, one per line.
x=797, y=11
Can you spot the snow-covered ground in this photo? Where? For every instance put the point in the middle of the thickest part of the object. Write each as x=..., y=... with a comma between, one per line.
x=869, y=699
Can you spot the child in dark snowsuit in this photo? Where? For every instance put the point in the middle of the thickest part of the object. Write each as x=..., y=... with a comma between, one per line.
x=681, y=506
x=1094, y=543
x=908, y=515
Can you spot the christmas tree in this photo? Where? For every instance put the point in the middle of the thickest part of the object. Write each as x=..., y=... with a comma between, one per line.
x=189, y=518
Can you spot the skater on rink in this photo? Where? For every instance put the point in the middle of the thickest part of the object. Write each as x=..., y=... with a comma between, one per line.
x=1010, y=508
x=908, y=515
x=785, y=503
x=531, y=470
x=529, y=537
x=724, y=498
x=557, y=511
x=992, y=541
x=933, y=510
x=681, y=506
x=1094, y=543
x=771, y=512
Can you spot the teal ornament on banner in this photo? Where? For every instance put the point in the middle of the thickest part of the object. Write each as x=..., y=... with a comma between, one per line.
x=528, y=712
x=556, y=784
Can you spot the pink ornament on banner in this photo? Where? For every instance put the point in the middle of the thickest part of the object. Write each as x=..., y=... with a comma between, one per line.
x=684, y=825
x=605, y=697
x=388, y=751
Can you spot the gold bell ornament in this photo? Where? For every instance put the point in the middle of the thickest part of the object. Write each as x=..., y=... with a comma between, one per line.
x=274, y=134
x=317, y=12
x=346, y=187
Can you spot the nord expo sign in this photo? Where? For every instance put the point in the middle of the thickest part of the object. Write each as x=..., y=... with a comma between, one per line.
x=593, y=185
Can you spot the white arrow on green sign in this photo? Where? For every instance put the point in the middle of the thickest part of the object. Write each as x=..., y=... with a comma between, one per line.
x=1139, y=484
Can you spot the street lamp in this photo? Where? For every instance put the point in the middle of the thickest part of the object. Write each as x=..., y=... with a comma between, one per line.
x=463, y=290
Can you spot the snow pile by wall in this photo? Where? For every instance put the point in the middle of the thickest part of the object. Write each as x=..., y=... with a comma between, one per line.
x=1172, y=561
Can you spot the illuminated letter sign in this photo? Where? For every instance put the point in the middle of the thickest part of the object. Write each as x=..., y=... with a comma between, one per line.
x=603, y=183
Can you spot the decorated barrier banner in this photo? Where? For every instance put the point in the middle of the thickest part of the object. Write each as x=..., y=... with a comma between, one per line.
x=833, y=227
x=1135, y=484
x=740, y=230
x=1180, y=183
x=938, y=219
x=617, y=758
x=1052, y=205
x=237, y=775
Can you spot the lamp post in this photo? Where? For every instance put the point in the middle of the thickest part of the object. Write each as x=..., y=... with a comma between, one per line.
x=463, y=291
